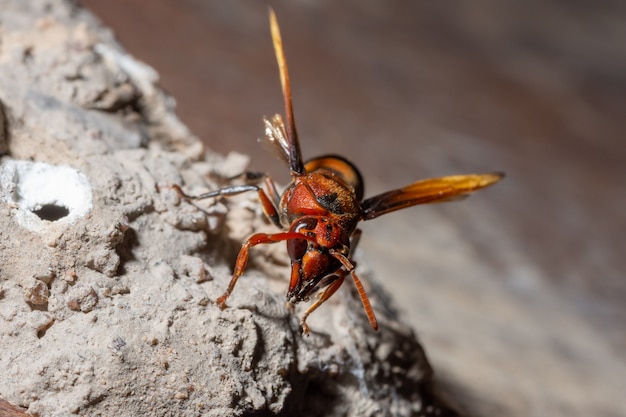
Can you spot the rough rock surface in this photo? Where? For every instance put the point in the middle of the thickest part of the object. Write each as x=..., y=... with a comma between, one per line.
x=518, y=294
x=107, y=276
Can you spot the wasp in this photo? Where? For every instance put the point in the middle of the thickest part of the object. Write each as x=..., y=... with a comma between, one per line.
x=321, y=208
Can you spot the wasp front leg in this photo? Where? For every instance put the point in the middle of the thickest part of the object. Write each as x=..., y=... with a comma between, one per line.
x=322, y=297
x=242, y=258
x=340, y=275
x=349, y=265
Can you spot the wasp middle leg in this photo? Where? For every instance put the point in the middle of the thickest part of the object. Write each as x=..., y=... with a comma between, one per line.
x=268, y=197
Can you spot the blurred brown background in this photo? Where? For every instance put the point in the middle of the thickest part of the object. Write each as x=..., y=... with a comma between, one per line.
x=519, y=293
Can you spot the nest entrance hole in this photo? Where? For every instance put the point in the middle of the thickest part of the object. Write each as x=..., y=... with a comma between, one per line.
x=51, y=212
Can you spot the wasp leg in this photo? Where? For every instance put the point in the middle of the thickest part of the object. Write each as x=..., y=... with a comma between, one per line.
x=222, y=192
x=269, y=204
x=242, y=258
x=270, y=201
x=369, y=311
x=321, y=298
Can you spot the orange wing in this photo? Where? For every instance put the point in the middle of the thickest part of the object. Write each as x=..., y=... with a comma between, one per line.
x=434, y=190
x=289, y=142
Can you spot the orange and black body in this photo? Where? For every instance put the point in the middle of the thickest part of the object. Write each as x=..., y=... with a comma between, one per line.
x=321, y=208
x=321, y=203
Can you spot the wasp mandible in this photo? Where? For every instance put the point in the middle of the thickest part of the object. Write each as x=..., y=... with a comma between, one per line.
x=319, y=211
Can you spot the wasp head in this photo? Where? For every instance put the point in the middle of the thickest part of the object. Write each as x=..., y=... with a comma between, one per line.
x=312, y=265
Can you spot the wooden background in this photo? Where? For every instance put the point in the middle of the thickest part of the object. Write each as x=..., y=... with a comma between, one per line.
x=519, y=293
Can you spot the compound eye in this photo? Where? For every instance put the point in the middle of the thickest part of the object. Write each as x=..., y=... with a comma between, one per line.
x=306, y=223
x=297, y=248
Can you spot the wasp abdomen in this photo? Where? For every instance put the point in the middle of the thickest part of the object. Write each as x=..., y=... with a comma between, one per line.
x=342, y=168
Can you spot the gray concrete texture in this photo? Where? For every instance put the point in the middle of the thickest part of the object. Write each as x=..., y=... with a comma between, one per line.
x=518, y=292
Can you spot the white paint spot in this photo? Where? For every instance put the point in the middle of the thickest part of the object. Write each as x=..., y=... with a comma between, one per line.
x=43, y=194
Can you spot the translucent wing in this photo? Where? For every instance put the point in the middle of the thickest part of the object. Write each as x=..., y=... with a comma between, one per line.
x=275, y=135
x=434, y=190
